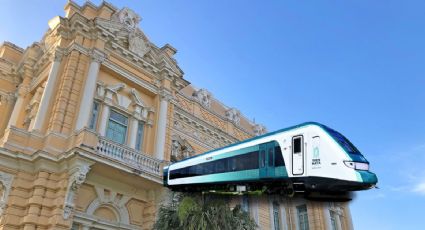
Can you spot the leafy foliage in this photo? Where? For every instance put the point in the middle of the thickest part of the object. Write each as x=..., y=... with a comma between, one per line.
x=195, y=212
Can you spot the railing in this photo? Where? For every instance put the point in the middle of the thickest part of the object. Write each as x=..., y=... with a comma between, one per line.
x=128, y=156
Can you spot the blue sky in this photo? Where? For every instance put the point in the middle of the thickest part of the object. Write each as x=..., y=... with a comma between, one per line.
x=357, y=66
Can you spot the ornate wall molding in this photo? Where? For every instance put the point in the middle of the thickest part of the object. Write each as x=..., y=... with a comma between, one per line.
x=114, y=202
x=33, y=105
x=6, y=185
x=114, y=95
x=209, y=137
x=233, y=115
x=77, y=178
x=8, y=98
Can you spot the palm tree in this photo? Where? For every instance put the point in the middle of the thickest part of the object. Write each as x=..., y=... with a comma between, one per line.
x=195, y=212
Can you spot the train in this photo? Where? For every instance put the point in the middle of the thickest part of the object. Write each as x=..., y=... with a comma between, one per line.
x=306, y=158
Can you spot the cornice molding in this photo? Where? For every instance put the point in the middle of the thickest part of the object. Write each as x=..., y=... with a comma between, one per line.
x=134, y=79
x=224, y=118
x=207, y=127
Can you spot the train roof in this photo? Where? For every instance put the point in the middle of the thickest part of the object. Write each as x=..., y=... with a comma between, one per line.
x=254, y=138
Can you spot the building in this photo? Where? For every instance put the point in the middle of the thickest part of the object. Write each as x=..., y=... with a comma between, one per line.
x=91, y=113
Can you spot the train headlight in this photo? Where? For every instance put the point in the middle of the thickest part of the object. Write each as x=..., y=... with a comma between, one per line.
x=357, y=165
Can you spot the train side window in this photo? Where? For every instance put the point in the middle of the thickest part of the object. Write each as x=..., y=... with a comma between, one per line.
x=254, y=160
x=206, y=168
x=271, y=157
x=232, y=164
x=297, y=145
x=278, y=157
x=220, y=166
x=262, y=158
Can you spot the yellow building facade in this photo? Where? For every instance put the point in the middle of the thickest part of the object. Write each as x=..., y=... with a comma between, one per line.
x=91, y=113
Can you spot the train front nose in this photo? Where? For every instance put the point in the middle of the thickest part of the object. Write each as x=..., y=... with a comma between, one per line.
x=368, y=178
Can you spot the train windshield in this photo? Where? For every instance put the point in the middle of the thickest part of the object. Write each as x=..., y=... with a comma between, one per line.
x=344, y=142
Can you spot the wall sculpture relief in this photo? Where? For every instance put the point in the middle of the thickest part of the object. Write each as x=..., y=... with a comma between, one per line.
x=259, y=129
x=233, y=115
x=203, y=97
x=180, y=149
x=76, y=180
x=127, y=17
x=136, y=44
x=5, y=187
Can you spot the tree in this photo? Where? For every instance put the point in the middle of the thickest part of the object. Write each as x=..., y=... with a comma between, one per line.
x=202, y=212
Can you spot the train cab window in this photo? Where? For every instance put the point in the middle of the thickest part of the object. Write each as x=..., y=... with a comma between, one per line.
x=278, y=157
x=297, y=145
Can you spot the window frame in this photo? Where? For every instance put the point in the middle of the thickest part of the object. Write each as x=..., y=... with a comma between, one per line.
x=112, y=110
x=303, y=217
x=94, y=116
x=276, y=213
x=140, y=136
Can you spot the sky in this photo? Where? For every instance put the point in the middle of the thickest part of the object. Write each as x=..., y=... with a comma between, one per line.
x=356, y=66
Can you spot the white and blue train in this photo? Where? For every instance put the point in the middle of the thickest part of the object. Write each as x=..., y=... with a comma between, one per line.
x=304, y=158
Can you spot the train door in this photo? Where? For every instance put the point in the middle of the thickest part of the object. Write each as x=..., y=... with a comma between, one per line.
x=266, y=160
x=297, y=155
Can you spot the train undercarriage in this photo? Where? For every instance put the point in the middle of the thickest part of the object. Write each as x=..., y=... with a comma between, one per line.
x=287, y=188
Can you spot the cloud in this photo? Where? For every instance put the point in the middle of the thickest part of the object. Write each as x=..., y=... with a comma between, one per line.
x=419, y=188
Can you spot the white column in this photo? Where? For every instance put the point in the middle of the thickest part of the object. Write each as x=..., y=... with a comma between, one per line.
x=17, y=108
x=161, y=128
x=47, y=94
x=89, y=89
x=104, y=119
x=134, y=125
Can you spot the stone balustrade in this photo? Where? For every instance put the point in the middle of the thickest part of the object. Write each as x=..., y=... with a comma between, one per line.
x=128, y=156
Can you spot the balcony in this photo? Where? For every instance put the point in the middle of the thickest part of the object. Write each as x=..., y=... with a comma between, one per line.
x=141, y=163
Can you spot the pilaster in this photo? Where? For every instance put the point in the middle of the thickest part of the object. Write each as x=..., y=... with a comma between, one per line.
x=47, y=96
x=89, y=88
x=18, y=107
x=164, y=98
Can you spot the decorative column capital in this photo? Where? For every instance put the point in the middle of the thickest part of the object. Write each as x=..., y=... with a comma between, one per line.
x=165, y=95
x=58, y=55
x=97, y=56
x=22, y=90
